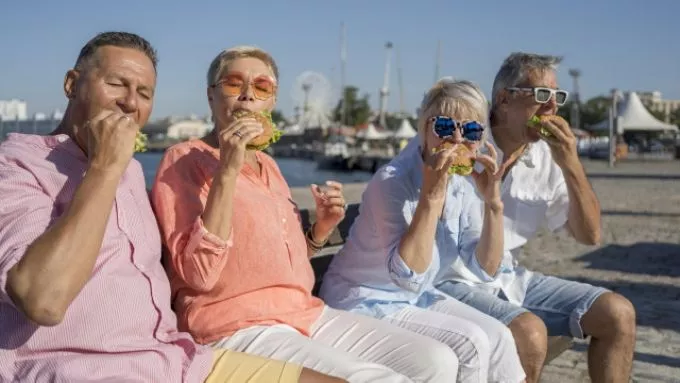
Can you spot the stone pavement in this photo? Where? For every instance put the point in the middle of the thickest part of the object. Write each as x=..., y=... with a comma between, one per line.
x=639, y=258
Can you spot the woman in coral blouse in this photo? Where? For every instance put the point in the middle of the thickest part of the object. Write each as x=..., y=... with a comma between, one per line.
x=239, y=260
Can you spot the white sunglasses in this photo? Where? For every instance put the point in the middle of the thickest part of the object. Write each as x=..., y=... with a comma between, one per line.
x=543, y=95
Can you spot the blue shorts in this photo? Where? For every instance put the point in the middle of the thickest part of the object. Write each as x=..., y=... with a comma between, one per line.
x=558, y=302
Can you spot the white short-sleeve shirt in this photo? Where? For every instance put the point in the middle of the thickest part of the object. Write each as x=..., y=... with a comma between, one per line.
x=535, y=196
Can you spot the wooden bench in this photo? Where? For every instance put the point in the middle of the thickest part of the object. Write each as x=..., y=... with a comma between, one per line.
x=556, y=344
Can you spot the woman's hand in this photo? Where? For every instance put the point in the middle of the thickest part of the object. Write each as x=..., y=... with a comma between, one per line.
x=330, y=208
x=488, y=182
x=233, y=140
x=436, y=174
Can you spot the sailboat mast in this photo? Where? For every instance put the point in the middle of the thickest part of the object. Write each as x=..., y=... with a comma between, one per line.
x=343, y=62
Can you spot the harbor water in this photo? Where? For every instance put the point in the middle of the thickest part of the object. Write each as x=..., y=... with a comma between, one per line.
x=297, y=172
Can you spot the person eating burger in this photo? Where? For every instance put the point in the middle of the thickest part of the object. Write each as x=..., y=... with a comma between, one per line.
x=422, y=219
x=237, y=255
x=545, y=187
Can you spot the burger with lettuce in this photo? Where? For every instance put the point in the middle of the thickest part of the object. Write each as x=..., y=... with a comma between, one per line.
x=270, y=134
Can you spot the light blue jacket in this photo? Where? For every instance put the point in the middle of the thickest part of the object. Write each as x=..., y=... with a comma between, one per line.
x=369, y=276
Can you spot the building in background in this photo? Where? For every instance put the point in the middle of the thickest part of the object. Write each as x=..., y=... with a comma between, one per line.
x=654, y=101
x=13, y=110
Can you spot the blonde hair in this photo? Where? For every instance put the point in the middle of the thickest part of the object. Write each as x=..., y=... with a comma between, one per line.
x=449, y=97
x=220, y=63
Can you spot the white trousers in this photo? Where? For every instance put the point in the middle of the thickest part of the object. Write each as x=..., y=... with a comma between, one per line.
x=484, y=346
x=354, y=347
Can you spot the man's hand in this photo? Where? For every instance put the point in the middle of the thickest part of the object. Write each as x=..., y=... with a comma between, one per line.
x=584, y=208
x=111, y=140
x=562, y=143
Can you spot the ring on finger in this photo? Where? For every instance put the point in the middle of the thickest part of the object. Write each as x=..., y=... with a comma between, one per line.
x=238, y=133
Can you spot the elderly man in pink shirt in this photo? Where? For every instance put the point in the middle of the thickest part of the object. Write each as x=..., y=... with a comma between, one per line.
x=83, y=296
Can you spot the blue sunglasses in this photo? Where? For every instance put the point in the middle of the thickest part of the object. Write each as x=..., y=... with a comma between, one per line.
x=445, y=127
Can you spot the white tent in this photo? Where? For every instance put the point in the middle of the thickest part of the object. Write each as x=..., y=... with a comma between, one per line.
x=633, y=116
x=371, y=133
x=405, y=130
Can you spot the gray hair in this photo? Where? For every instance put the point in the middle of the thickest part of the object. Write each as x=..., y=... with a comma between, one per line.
x=223, y=59
x=517, y=67
x=449, y=97
x=115, y=39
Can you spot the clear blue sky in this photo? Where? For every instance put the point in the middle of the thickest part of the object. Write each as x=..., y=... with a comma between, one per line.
x=629, y=44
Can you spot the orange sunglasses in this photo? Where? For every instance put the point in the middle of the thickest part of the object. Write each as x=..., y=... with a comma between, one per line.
x=234, y=84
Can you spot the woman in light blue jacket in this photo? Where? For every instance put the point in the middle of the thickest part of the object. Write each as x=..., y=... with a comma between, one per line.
x=418, y=225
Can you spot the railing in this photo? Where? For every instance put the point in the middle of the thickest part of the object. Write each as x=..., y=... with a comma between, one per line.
x=32, y=126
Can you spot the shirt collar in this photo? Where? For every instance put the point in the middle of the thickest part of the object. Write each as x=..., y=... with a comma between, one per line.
x=528, y=157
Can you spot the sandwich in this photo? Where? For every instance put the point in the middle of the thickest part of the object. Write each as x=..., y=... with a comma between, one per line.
x=464, y=163
x=270, y=134
x=536, y=122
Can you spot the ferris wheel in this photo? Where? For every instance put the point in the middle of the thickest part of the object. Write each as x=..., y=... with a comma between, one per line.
x=312, y=90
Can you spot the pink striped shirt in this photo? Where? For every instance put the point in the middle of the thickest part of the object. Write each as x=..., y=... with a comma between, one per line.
x=120, y=328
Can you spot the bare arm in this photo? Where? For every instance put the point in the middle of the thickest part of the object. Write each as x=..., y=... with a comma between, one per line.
x=583, y=220
x=58, y=264
x=320, y=237
x=490, y=246
x=330, y=211
x=584, y=209
x=217, y=214
x=219, y=207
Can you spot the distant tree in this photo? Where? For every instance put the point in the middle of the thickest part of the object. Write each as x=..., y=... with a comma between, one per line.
x=277, y=117
x=393, y=122
x=595, y=110
x=358, y=110
x=659, y=115
x=675, y=117
x=592, y=111
x=565, y=111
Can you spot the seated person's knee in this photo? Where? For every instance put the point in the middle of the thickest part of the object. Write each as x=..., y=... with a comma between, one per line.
x=529, y=330
x=443, y=362
x=616, y=314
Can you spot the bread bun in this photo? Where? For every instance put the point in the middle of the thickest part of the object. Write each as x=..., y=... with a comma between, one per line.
x=263, y=140
x=464, y=163
x=536, y=122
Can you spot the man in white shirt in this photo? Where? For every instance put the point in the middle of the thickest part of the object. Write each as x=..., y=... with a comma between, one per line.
x=545, y=186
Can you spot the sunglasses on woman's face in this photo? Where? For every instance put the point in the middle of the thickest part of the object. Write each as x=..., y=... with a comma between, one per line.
x=543, y=95
x=445, y=127
x=234, y=84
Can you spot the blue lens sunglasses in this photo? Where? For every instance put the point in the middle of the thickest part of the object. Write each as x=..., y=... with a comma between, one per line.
x=445, y=127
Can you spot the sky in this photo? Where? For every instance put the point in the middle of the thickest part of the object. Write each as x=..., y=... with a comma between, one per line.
x=625, y=44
